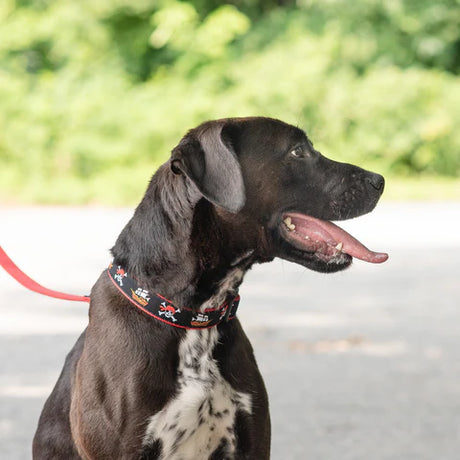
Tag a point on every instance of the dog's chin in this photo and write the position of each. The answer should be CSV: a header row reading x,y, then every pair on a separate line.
x,y
326,259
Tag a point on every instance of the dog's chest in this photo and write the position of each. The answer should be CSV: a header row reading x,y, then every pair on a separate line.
x,y
200,417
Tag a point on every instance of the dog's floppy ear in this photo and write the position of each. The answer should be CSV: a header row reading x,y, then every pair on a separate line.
x,y
212,165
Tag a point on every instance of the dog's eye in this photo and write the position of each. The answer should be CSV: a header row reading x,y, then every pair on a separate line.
x,y
298,152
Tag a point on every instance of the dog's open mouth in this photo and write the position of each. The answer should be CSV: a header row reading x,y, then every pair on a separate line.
x,y
325,240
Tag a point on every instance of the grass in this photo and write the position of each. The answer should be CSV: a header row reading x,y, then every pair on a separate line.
x,y
422,189
125,187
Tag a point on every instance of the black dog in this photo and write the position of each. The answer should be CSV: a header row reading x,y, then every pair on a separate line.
x,y
178,380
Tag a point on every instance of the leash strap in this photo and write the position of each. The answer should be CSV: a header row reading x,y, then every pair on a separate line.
x,y
163,310
151,303
29,283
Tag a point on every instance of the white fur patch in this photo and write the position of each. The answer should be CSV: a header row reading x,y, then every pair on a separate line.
x,y
232,279
201,416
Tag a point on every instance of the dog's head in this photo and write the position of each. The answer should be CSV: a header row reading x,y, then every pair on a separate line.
x,y
265,177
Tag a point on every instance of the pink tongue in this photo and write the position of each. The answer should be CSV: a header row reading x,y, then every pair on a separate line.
x,y
322,230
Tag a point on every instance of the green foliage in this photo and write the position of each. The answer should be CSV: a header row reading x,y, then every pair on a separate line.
x,y
94,95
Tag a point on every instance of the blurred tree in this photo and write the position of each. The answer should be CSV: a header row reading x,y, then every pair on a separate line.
x,y
102,90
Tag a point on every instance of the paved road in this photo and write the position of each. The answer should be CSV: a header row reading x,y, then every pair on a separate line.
x,y
363,364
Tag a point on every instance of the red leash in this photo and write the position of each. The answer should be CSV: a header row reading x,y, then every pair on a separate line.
x,y
29,283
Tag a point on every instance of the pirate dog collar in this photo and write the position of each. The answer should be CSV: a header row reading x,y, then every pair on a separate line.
x,y
163,310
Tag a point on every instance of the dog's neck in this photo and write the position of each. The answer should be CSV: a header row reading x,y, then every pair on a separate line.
x,y
176,245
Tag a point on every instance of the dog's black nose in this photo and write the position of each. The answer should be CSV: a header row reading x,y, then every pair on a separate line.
x,y
376,181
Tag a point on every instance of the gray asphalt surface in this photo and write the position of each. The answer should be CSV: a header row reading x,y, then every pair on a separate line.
x,y
359,365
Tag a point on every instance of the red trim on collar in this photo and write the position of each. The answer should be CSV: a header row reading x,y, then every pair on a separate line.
x,y
164,310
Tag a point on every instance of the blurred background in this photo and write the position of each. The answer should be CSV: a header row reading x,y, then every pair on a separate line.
x,y
95,94
363,364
